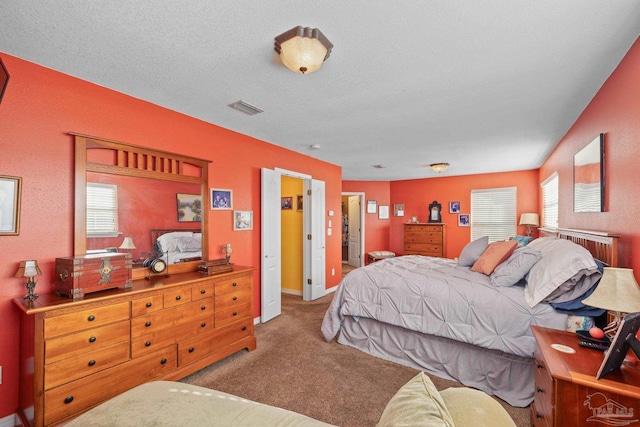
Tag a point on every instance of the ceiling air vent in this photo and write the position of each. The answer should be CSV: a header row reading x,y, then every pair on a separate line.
x,y
245,108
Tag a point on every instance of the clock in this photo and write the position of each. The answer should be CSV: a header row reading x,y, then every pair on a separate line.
x,y
434,212
157,266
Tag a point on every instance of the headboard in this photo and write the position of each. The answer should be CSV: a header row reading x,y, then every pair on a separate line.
x,y
602,245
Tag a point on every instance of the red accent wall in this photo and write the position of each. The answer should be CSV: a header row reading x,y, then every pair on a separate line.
x,y
40,107
614,111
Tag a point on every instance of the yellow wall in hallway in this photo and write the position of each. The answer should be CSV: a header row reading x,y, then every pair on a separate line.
x,y
292,228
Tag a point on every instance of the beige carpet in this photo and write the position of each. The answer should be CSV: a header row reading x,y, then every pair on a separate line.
x,y
296,369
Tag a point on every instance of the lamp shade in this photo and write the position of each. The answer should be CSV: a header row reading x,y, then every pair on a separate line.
x,y
226,249
617,291
303,49
127,243
28,269
532,219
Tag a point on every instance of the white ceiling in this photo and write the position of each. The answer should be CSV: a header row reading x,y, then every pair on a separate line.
x,y
487,86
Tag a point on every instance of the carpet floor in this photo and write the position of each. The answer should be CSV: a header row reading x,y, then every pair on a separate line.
x,y
294,368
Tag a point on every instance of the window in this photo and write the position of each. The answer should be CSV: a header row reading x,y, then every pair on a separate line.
x,y
550,202
494,213
102,209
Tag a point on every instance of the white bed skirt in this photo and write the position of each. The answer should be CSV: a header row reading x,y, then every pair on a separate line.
x,y
509,377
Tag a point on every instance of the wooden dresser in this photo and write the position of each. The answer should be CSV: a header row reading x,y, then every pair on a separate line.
x,y
77,354
567,392
427,239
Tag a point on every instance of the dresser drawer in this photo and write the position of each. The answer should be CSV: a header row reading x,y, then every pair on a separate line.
x,y
85,319
232,284
149,303
231,315
232,299
85,364
69,399
201,345
423,247
178,296
543,391
202,290
147,343
537,418
81,342
171,317
426,237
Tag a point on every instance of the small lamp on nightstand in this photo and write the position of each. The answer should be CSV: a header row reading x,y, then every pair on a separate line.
x,y
530,220
30,270
617,292
127,244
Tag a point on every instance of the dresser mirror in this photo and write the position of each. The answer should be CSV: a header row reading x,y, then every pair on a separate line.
x,y
148,183
588,177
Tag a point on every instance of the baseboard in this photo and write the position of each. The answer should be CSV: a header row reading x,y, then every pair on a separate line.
x,y
328,291
10,421
291,292
256,320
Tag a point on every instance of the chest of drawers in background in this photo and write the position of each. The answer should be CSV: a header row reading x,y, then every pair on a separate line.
x,y
77,354
425,239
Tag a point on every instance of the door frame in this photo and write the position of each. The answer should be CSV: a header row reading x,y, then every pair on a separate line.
x,y
361,196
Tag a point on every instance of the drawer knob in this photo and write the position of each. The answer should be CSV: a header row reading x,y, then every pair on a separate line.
x,y
244,328
203,291
68,399
92,362
539,390
149,304
538,365
147,344
91,318
203,307
235,298
538,415
178,298
235,284
92,339
203,324
147,324
191,349
163,361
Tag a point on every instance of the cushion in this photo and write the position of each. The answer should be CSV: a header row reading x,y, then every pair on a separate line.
x,y
515,267
417,403
168,241
565,271
522,240
494,255
188,244
381,254
472,251
470,407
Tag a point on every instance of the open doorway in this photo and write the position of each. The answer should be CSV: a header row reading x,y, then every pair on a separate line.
x,y
292,235
352,229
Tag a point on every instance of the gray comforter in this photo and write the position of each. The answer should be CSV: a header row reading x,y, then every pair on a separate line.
x,y
435,296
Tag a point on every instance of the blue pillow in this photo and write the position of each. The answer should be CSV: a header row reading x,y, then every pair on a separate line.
x,y
522,240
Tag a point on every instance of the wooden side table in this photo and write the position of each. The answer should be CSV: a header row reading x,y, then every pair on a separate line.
x,y
567,392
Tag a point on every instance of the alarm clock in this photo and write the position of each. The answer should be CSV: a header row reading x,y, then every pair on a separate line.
x,y
157,266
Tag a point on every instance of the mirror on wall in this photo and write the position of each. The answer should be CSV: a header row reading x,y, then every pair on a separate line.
x,y
588,177
152,188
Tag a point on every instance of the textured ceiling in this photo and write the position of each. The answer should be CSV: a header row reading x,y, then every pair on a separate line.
x,y
487,86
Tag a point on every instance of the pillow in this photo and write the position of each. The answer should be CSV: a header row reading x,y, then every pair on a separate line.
x,y
564,266
188,244
469,407
417,403
472,251
168,240
515,267
494,255
522,240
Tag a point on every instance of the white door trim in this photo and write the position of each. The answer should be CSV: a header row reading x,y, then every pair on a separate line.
x,y
362,222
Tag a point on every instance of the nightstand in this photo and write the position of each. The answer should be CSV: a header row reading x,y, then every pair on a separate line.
x,y
567,392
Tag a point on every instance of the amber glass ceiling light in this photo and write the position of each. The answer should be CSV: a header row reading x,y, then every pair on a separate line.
x,y
303,49
439,167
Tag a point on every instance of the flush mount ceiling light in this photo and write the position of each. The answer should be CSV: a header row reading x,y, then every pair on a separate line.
x,y
439,167
303,49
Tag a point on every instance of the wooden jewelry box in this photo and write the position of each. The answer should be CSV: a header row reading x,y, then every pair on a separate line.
x,y
80,275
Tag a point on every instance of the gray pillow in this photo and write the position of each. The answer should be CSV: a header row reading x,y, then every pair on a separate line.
x,y
515,267
472,251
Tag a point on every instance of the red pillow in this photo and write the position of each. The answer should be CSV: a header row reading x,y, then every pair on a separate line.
x,y
495,254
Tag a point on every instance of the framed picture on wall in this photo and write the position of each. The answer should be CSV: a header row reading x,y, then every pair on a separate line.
x,y
221,198
454,207
463,220
286,203
398,209
383,212
242,220
10,195
189,207
372,206
299,202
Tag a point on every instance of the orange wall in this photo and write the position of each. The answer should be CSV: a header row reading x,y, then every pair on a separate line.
x,y
614,111
40,106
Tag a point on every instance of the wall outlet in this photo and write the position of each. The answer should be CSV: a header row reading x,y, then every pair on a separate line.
x,y
333,271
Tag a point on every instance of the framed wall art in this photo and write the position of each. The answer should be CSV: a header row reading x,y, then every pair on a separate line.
x,y
588,177
299,202
189,207
372,206
435,214
398,209
454,207
242,220
286,203
383,212
221,198
463,220
10,196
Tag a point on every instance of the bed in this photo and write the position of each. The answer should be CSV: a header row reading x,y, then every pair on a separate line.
x,y
177,245
437,315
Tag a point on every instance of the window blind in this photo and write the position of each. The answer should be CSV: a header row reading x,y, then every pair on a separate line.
x,y
102,208
494,213
550,201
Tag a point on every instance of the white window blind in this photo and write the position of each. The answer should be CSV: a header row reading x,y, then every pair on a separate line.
x,y
494,213
102,209
550,202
